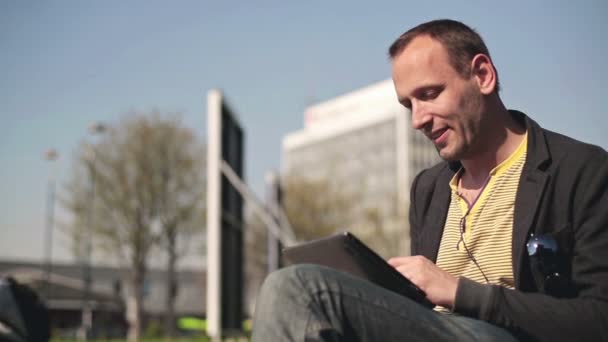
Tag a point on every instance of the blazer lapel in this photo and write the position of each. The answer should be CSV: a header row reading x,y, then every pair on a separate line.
x,y
532,184
439,208
526,205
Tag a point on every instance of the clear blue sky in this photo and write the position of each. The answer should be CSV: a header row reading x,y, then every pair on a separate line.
x,y
65,64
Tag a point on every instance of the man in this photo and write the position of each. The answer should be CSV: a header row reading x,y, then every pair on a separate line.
x,y
509,234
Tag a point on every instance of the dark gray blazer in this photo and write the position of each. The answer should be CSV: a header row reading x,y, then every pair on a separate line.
x,y
563,192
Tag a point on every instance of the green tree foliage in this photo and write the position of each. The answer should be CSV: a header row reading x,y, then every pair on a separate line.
x,y
139,187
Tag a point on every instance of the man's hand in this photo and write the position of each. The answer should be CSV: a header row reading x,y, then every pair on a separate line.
x,y
439,286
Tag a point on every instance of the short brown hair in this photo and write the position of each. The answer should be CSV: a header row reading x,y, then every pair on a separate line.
x,y
461,42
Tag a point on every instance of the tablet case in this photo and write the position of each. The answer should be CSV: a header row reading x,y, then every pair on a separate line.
x,y
345,252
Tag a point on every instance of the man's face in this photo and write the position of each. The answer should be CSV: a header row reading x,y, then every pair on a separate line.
x,y
446,107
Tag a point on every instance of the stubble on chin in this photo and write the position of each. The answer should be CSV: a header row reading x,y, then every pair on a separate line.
x,y
456,153
447,157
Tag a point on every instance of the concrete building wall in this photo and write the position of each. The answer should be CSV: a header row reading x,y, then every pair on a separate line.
x,y
363,140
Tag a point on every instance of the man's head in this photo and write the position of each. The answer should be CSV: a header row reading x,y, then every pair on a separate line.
x,y
443,73
461,42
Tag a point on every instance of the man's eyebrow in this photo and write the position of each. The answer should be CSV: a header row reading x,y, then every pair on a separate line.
x,y
419,90
426,87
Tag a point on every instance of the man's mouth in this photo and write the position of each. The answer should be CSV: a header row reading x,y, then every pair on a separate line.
x,y
438,136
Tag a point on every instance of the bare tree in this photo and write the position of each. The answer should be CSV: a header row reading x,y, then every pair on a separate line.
x,y
148,186
181,210
322,206
316,207
386,232
256,254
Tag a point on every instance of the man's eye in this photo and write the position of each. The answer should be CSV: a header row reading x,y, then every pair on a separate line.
x,y
430,94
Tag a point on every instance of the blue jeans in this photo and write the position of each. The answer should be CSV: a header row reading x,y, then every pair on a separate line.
x,y
315,303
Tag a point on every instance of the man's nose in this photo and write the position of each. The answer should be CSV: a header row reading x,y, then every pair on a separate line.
x,y
420,116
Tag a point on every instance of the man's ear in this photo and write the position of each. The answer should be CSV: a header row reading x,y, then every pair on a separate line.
x,y
484,73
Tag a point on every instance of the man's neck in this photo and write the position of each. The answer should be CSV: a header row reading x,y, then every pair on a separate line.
x,y
501,137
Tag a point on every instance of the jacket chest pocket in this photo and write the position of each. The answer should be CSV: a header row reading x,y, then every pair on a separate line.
x,y
550,256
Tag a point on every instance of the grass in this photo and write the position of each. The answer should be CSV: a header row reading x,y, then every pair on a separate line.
x,y
160,339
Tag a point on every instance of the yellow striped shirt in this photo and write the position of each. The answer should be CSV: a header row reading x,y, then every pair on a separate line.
x,y
488,226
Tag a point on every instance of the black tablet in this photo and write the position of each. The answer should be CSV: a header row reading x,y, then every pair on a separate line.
x,y
344,252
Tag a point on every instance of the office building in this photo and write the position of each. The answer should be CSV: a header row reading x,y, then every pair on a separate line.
x,y
364,142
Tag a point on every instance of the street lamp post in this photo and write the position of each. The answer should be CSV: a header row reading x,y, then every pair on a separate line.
x,y
50,155
87,310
